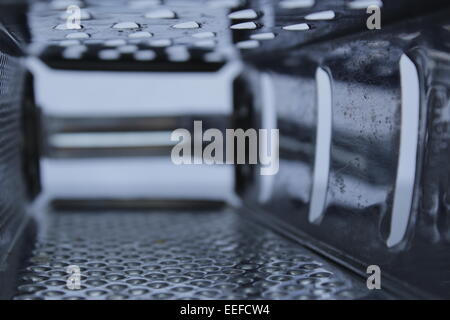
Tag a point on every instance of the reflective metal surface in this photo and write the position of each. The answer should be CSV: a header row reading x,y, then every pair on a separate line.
x,y
385,203
363,116
13,187
177,254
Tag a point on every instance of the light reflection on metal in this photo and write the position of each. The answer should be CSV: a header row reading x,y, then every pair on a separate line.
x,y
409,135
323,142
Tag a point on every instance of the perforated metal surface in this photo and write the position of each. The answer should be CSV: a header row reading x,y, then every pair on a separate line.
x,y
145,33
282,29
175,255
12,186
196,31
11,182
